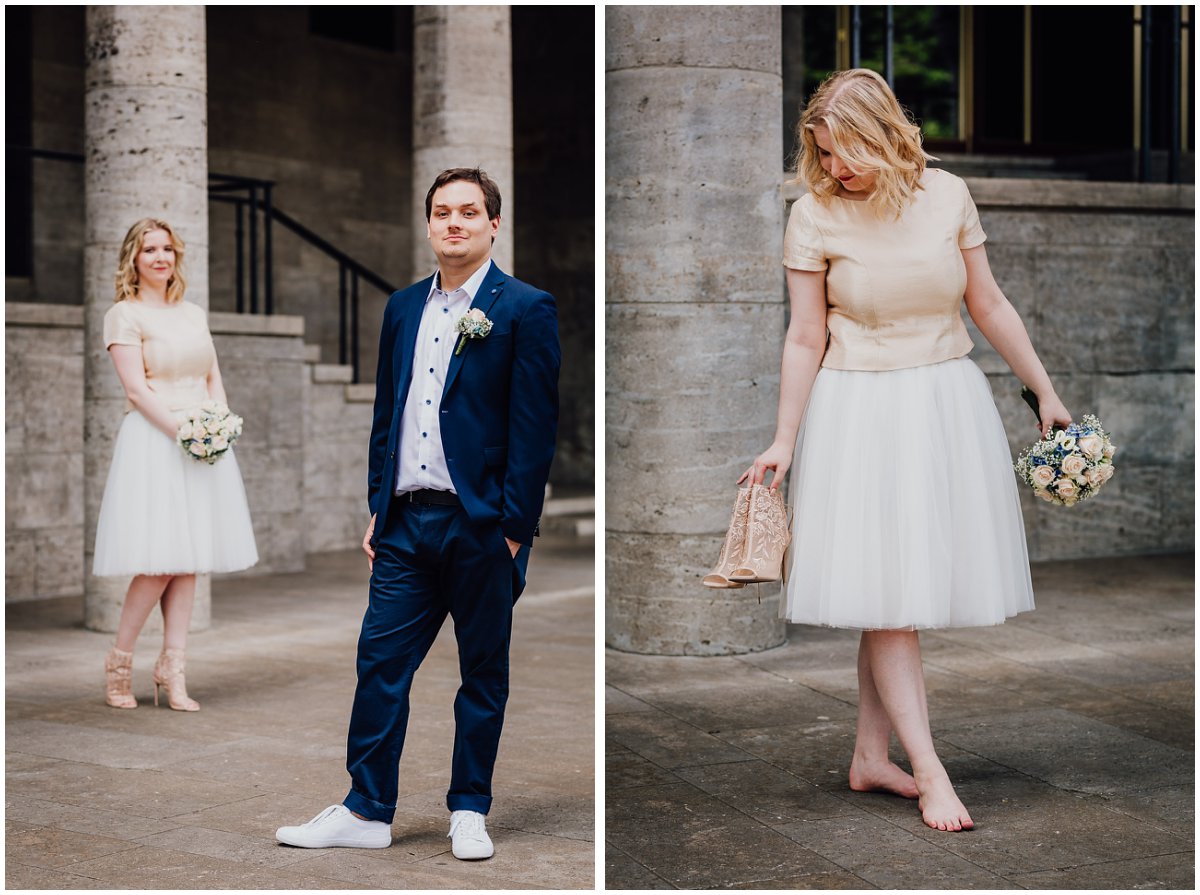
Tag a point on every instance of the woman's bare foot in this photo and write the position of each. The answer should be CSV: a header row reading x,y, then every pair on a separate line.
x,y
870,776
940,805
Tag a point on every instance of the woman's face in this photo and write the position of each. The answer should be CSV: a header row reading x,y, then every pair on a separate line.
x,y
155,261
851,181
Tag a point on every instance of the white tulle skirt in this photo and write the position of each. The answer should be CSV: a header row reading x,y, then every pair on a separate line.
x,y
166,514
905,504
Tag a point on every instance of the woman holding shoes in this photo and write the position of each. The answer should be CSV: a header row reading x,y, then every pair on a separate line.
x,y
164,517
905,507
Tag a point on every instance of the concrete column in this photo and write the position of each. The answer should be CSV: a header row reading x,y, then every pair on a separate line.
x,y
462,111
146,144
695,310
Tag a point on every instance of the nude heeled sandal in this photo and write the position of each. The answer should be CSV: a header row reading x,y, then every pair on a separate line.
x,y
168,673
118,679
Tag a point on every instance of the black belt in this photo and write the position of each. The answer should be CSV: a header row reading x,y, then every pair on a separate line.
x,y
428,497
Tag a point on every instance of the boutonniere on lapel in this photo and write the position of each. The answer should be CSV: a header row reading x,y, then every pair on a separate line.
x,y
473,325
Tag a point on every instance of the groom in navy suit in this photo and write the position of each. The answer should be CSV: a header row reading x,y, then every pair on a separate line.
x,y
466,409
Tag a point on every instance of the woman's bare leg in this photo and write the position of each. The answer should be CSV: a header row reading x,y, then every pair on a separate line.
x,y
177,611
871,769
144,592
895,661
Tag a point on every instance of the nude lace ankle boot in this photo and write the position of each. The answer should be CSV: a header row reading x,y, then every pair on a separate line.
x,y
168,673
118,679
767,537
734,546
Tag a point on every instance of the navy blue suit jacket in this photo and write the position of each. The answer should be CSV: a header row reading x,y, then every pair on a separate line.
x,y
499,407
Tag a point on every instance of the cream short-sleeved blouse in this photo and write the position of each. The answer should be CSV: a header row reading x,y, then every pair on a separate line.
x,y
177,349
893,288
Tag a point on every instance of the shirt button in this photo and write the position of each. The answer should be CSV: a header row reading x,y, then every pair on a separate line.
x,y
436,339
431,369
424,434
445,310
422,465
427,401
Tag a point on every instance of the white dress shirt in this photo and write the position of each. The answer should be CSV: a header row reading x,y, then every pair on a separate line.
x,y
422,460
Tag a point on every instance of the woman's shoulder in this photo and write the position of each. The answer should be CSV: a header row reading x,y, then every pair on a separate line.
x,y
193,310
121,311
939,181
122,325
806,209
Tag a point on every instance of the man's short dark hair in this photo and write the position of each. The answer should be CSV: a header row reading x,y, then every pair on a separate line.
x,y
491,192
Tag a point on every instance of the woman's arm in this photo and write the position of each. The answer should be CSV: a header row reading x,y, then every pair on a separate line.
x,y
132,373
1000,324
803,348
216,388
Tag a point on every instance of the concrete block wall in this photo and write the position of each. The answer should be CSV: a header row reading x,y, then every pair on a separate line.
x,y
337,422
1103,276
43,451
302,454
263,366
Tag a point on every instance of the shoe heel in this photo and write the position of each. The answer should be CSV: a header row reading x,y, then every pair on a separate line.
x,y
156,694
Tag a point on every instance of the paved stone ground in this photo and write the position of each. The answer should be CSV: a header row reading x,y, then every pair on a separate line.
x,y
1068,731
98,798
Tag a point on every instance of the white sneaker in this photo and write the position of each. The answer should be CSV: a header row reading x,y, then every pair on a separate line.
x,y
468,836
337,826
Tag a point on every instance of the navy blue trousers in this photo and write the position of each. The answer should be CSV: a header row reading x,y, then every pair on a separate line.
x,y
430,562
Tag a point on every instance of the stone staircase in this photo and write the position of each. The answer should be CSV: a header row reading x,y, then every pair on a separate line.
x,y
570,512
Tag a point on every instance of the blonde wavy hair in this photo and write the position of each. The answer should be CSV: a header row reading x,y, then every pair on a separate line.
x,y
127,277
870,131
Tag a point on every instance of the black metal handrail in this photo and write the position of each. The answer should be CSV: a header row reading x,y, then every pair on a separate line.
x,y
256,195
346,265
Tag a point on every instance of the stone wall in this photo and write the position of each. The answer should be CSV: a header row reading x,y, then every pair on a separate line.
x,y
337,421
330,121
302,456
1103,276
43,451
263,368
555,239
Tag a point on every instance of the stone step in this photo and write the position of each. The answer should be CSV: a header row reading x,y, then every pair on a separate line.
x,y
338,374
573,515
573,526
569,506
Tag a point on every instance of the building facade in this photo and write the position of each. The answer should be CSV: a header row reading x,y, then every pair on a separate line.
x,y
1083,179
292,148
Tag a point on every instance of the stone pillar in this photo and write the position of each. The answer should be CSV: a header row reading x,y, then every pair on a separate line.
x,y
146,146
462,111
694,314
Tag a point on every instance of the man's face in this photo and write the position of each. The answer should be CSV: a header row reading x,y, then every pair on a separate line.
x,y
458,227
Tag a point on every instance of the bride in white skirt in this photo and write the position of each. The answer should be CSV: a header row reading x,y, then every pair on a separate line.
x,y
164,516
905,505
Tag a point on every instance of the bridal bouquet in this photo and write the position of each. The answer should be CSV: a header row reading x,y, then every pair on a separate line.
x,y
1068,465
207,432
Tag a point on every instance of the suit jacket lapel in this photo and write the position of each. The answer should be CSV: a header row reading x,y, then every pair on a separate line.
x,y
407,344
486,296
